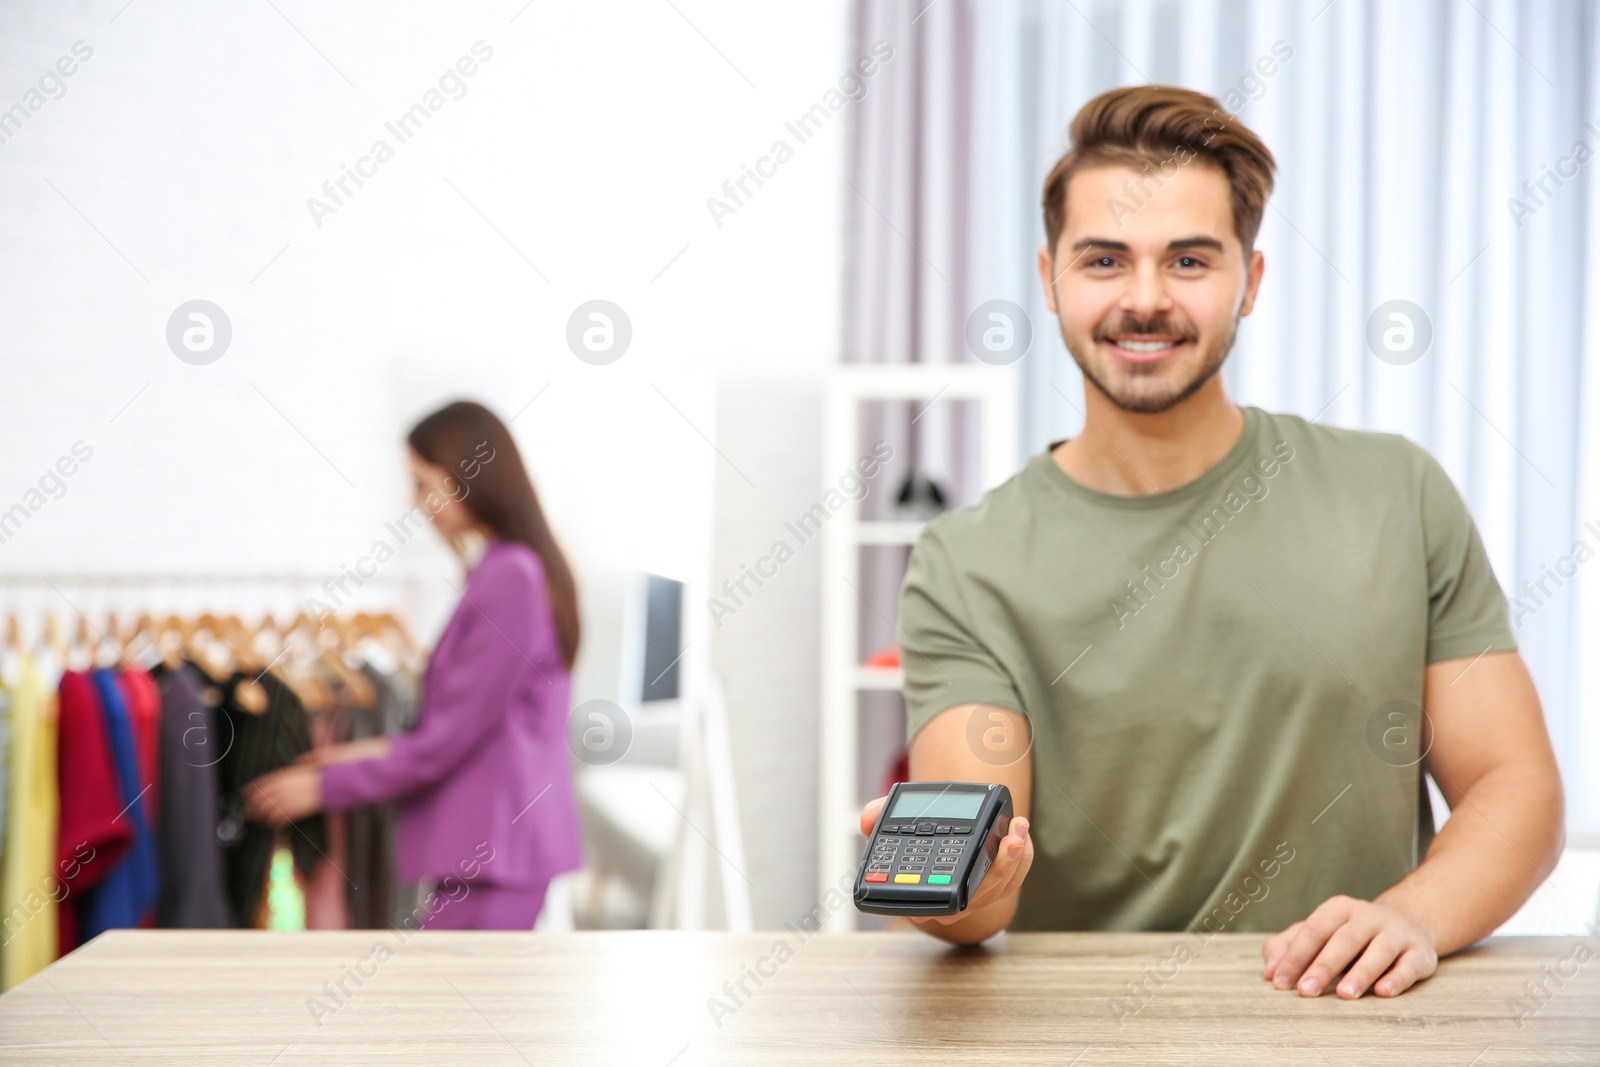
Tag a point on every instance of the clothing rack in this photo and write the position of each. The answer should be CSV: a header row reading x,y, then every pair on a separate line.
x,y
98,593
130,739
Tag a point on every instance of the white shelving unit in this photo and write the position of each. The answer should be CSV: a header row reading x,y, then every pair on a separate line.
x,y
844,677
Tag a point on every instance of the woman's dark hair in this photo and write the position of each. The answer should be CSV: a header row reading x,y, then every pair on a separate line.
x,y
470,442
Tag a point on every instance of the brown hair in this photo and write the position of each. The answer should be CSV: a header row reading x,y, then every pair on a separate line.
x,y
501,497
1145,126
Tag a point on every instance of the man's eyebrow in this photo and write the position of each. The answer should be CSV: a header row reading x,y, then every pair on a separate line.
x,y
1109,245
1099,242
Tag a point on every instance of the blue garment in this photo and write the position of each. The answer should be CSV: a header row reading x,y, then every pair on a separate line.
x,y
132,886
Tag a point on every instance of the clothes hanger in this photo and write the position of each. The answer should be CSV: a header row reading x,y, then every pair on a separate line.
x,y
106,641
206,649
78,648
332,643
284,665
50,638
143,626
407,650
162,634
293,660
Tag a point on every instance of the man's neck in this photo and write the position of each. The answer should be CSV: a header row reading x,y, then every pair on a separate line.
x,y
1129,454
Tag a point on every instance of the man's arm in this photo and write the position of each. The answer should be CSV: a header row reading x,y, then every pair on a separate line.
x,y
1492,760
942,752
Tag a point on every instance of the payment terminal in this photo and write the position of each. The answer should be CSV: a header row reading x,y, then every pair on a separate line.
x,y
932,846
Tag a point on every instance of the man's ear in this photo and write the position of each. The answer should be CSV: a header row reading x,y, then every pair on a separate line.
x,y
1252,281
1047,272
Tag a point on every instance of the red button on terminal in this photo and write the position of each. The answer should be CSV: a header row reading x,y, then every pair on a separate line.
x,y
878,876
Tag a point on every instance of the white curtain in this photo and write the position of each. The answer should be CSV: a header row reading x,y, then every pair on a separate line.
x,y
1428,152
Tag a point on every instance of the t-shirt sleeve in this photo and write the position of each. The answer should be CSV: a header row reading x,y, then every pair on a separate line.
x,y
1467,613
946,664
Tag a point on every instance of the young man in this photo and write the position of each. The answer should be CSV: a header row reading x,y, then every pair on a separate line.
x,y
1211,650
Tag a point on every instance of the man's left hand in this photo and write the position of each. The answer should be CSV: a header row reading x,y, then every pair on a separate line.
x,y
1377,943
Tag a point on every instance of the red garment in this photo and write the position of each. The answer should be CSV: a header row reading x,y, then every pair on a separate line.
x,y
95,832
144,714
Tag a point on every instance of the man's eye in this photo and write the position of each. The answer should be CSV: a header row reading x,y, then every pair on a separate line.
x,y
1189,261
1103,261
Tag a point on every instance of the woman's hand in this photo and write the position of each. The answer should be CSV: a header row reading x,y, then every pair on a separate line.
x,y
284,796
348,752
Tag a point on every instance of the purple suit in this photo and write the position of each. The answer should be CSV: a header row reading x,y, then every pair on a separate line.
x,y
488,759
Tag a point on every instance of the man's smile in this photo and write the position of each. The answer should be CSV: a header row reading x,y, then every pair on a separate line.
x,y
1136,348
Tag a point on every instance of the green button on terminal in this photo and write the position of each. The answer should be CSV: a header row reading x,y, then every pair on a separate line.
x,y
938,879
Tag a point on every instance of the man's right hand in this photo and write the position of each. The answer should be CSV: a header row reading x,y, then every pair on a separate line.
x,y
1000,886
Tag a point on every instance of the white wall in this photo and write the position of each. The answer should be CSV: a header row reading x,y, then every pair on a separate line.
x,y
178,164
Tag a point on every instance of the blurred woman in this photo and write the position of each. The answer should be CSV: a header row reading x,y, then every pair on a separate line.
x,y
483,783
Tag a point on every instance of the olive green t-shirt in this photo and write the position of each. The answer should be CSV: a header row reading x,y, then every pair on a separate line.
x,y
1223,681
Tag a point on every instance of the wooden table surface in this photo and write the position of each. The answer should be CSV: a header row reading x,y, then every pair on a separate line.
x,y
660,998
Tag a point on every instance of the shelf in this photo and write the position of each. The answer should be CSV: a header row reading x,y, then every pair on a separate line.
x,y
880,678
889,533
843,677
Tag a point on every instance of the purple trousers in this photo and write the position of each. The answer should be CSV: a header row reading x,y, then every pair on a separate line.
x,y
476,906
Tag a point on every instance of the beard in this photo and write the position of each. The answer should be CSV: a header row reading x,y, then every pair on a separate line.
x,y
1150,388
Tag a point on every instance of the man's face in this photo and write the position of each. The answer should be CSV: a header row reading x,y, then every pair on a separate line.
x,y
1149,282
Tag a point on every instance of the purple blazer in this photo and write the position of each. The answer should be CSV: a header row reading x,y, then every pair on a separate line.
x,y
487,760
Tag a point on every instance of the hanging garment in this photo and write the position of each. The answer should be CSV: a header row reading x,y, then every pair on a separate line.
x,y
121,900
190,748
373,886
143,701
5,763
329,888
30,885
94,833
404,683
270,731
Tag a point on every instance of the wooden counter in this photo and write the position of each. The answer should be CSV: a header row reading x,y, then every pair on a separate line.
x,y
653,999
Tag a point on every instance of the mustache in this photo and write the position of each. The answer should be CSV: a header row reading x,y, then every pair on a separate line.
x,y
1158,325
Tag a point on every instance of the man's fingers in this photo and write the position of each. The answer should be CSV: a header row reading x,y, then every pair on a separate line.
x,y
1274,947
1344,946
1381,951
1413,965
1011,864
869,815
1309,940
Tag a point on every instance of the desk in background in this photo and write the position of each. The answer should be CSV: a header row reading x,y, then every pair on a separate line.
x,y
653,999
